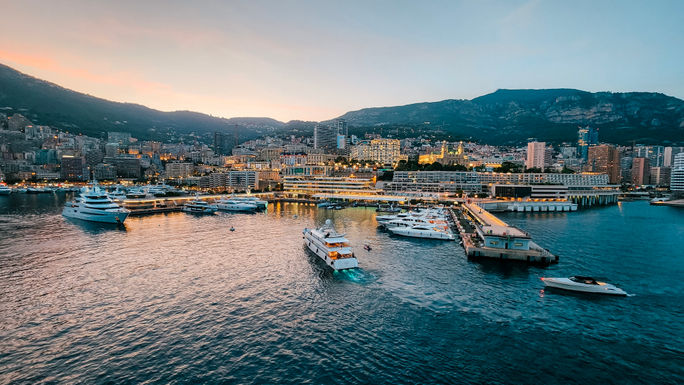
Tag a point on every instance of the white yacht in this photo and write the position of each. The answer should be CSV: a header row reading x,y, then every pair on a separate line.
x,y
428,231
93,204
232,204
5,190
332,247
118,194
259,203
583,284
136,192
198,206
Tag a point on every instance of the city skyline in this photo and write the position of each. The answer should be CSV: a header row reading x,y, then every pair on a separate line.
x,y
318,61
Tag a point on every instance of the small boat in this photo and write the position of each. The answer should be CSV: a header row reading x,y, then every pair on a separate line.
x,y
367,247
658,201
330,246
583,284
4,190
232,228
136,193
198,206
387,209
325,204
38,190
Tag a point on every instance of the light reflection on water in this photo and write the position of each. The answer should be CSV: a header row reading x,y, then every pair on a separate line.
x,y
176,297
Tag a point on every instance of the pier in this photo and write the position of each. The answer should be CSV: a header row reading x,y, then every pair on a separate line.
x,y
483,235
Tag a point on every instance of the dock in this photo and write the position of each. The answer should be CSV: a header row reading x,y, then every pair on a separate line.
x,y
483,235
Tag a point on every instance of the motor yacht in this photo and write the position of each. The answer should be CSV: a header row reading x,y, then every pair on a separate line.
x,y
583,284
136,192
118,194
93,204
330,246
427,231
38,190
5,190
198,206
232,204
259,203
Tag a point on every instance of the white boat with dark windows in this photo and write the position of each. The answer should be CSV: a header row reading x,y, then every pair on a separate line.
x,y
428,231
118,194
330,246
584,285
136,193
5,190
93,204
232,204
259,203
198,206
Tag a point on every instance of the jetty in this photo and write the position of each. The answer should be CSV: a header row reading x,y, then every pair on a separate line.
x,y
483,235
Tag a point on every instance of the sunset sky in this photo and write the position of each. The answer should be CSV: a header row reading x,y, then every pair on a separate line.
x,y
316,60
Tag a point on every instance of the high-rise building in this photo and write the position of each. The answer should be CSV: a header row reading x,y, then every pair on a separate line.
x,y
586,137
74,168
537,156
626,169
325,137
677,176
660,176
605,159
224,143
669,154
640,171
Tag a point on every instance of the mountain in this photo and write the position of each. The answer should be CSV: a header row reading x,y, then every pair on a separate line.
x,y
46,103
502,117
513,116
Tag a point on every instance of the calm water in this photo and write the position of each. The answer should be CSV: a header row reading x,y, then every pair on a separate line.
x,y
180,299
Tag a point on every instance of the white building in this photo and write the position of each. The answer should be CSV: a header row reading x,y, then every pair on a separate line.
x,y
677,176
537,156
385,151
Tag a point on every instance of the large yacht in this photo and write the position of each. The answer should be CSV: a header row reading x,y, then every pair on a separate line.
x,y
232,204
93,204
428,231
259,203
330,246
136,192
5,190
198,206
118,194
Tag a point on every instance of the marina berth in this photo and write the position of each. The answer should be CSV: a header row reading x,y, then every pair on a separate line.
x,y
93,204
330,246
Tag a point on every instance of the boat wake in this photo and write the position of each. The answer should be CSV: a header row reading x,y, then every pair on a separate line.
x,y
355,275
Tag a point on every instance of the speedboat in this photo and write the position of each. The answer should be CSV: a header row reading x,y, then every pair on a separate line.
x,y
427,231
232,204
325,204
583,284
330,246
5,190
659,200
198,206
93,204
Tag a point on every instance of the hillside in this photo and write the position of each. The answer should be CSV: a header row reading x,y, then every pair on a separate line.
x,y
513,116
49,104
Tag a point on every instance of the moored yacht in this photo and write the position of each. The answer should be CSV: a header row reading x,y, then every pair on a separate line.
x,y
259,203
583,284
424,230
136,192
198,206
232,204
118,194
5,190
93,204
330,246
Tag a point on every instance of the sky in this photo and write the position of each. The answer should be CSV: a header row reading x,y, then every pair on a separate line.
x,y
316,60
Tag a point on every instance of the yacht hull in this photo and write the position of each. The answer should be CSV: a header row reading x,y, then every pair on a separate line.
x,y
412,233
103,217
568,285
240,207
